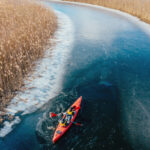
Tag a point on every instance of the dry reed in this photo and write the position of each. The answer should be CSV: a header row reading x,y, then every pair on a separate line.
x,y
139,8
25,29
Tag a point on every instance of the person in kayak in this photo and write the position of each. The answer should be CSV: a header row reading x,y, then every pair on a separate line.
x,y
65,121
69,114
71,110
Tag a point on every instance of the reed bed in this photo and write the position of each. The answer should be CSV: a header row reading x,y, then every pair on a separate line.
x,y
139,8
25,30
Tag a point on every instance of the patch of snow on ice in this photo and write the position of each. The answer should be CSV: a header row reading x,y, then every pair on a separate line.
x,y
8,126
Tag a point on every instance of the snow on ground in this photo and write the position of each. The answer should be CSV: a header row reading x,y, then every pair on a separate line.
x,y
46,80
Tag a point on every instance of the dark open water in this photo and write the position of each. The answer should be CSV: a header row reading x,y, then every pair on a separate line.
x,y
110,67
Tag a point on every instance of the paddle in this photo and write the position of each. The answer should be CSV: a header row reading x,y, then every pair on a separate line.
x,y
51,114
55,115
78,124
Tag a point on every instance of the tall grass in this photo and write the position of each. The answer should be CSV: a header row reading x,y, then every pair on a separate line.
x,y
139,8
25,29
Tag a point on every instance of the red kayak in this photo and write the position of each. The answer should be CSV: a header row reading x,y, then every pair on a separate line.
x,y
61,130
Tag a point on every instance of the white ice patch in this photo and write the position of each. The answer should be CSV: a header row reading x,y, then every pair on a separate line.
x,y
143,25
8,126
46,80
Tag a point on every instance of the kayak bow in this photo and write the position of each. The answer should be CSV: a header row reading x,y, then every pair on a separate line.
x,y
60,130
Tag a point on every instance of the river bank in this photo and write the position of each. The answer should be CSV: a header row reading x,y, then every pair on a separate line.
x,y
136,8
26,28
45,82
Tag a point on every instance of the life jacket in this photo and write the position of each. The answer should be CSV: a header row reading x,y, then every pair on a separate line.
x,y
69,112
63,124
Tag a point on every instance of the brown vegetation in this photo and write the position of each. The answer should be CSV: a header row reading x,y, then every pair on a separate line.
x,y
25,29
139,8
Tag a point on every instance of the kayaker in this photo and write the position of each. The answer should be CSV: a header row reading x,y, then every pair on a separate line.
x,y
63,122
67,116
71,110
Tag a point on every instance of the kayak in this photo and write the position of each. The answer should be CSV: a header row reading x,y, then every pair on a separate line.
x,y
61,130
